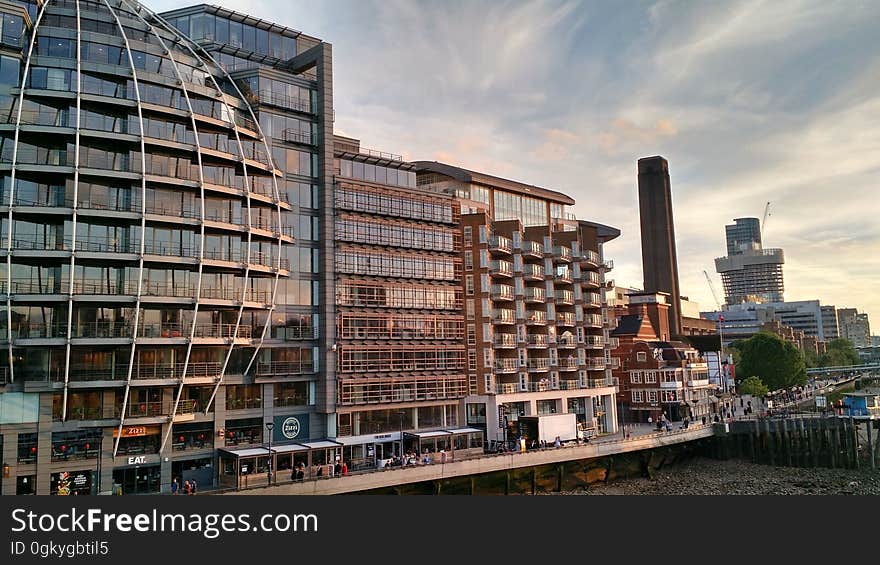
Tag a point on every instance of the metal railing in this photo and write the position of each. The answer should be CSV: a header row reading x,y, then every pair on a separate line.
x,y
280,368
533,271
502,292
501,268
537,340
500,243
504,340
533,294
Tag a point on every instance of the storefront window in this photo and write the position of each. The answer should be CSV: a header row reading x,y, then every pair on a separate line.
x,y
27,448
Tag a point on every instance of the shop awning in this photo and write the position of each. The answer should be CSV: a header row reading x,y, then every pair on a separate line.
x,y
247,452
289,448
425,435
463,430
322,444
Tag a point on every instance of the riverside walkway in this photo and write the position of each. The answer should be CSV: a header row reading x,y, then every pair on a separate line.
x,y
639,439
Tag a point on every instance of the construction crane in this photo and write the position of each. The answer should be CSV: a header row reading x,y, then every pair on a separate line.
x,y
712,288
764,221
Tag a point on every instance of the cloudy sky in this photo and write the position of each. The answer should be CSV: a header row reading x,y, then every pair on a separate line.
x,y
750,102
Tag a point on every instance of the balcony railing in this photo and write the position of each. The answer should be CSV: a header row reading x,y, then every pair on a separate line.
x,y
594,341
506,388
613,343
540,364
590,277
566,341
593,320
503,316
563,274
504,340
282,368
565,296
533,271
564,319
532,248
533,294
500,243
502,292
592,299
536,317
501,268
671,384
595,363
563,253
591,257
506,365
569,364
537,340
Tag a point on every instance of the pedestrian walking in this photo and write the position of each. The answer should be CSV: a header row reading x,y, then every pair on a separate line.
x,y
174,486
187,487
194,486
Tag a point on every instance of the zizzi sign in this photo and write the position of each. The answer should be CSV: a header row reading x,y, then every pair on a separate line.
x,y
291,427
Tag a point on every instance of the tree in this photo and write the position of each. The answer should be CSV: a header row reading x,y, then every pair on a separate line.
x,y
777,362
839,353
811,358
753,386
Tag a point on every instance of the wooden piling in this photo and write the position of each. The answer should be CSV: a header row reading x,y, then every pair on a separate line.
x,y
871,453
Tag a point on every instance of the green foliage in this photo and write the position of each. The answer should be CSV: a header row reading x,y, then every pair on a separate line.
x,y
811,358
753,386
777,362
839,353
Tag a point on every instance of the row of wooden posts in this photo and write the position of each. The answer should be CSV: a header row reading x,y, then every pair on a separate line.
x,y
802,442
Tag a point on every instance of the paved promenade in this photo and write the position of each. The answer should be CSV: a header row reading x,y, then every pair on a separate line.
x,y
389,477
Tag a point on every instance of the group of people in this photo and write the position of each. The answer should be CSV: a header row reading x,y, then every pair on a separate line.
x,y
339,469
189,486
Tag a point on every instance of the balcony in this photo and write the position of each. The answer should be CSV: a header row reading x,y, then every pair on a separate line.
x,y
592,299
533,294
533,272
671,385
595,341
613,342
590,278
537,341
563,274
533,249
698,383
608,264
284,368
503,316
591,257
595,363
501,268
564,297
506,366
502,292
564,319
561,253
610,322
593,320
570,364
505,341
566,342
500,244
539,365
506,388
613,362
536,318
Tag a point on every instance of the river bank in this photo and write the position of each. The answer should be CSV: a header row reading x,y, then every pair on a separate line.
x,y
708,476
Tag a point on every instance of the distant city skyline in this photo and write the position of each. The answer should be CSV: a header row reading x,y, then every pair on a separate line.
x,y
748,101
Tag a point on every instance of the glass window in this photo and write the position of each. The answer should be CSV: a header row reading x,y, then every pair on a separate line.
x,y
249,38
221,30
262,41
235,33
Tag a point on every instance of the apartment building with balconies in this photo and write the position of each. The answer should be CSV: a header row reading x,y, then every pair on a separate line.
x,y
535,324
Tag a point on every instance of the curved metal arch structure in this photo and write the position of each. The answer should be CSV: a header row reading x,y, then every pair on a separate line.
x,y
195,74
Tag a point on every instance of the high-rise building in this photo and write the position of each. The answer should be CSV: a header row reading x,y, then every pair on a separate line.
x,y
830,325
854,326
659,260
743,234
533,283
748,272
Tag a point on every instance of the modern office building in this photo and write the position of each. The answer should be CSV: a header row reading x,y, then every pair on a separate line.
x,y
830,323
748,272
533,282
151,277
659,259
742,235
854,326
400,324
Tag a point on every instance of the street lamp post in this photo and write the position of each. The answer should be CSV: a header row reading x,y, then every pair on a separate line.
x,y
401,413
269,427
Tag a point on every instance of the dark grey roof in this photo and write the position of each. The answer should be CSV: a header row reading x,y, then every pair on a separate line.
x,y
627,325
605,233
465,175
